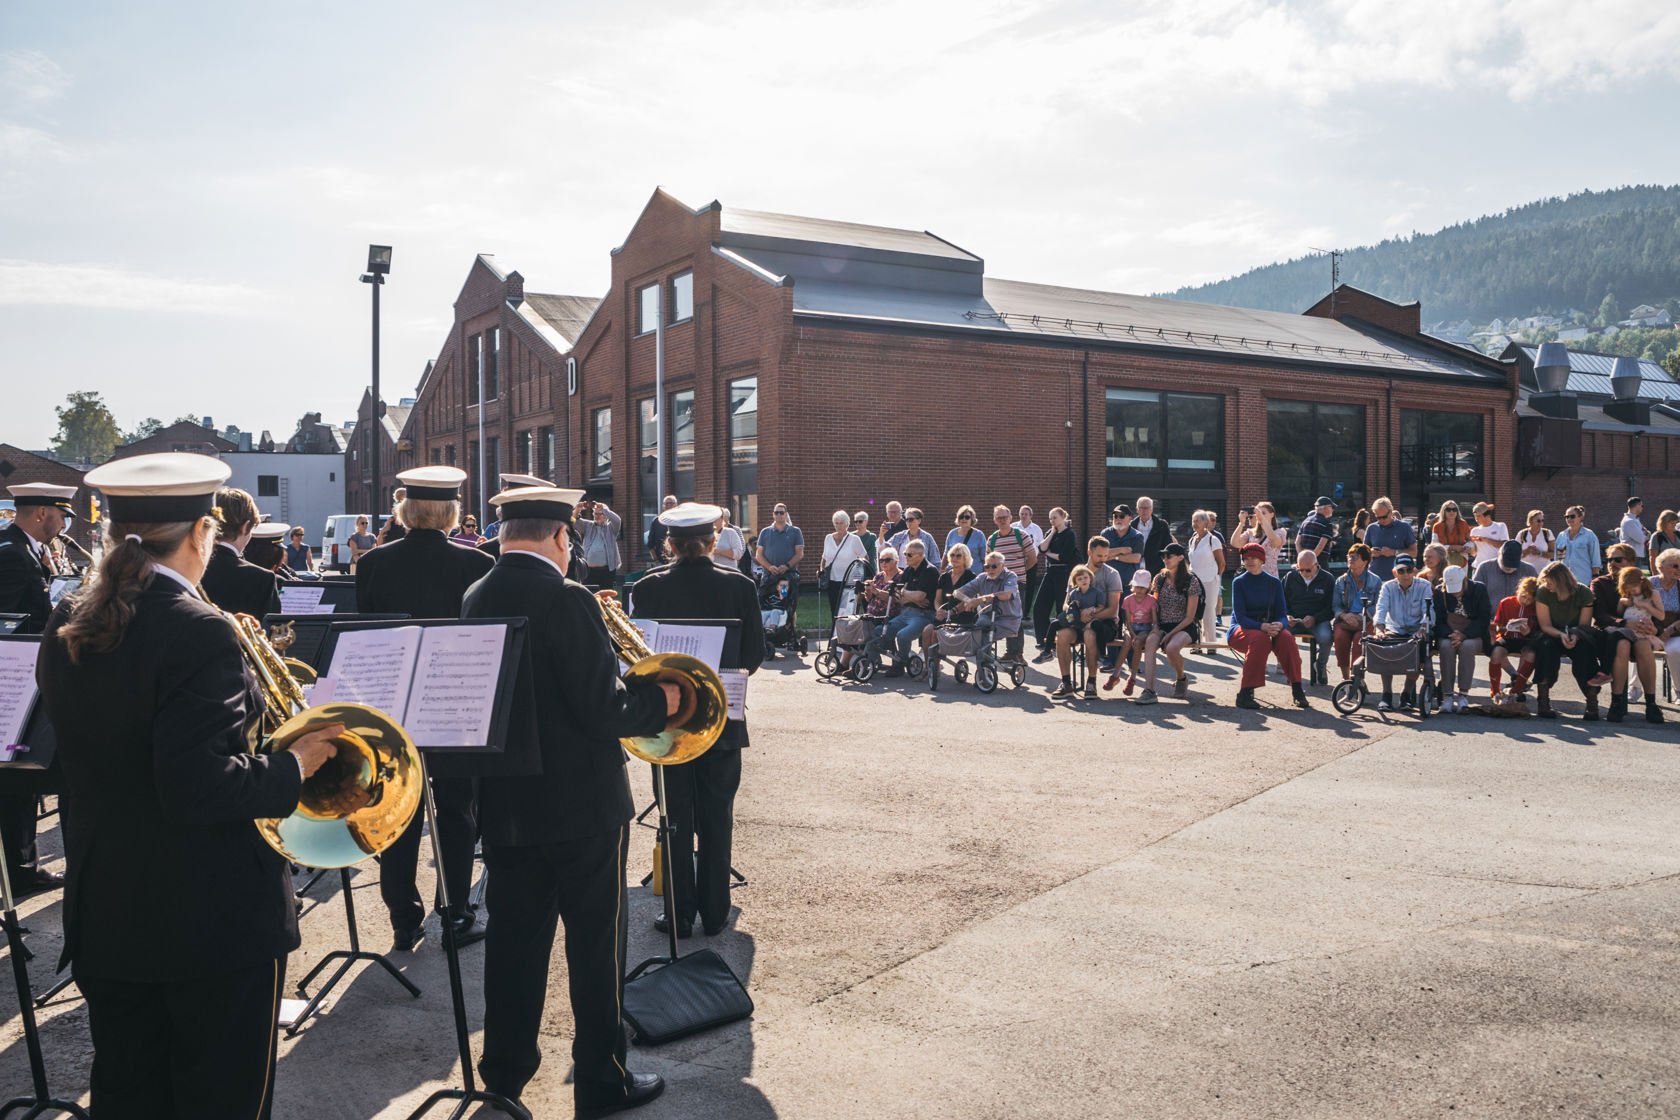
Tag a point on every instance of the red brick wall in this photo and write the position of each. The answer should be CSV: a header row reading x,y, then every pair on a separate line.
x,y
1355,304
1614,467
26,466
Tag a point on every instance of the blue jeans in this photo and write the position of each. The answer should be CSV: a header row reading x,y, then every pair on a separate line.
x,y
1322,632
904,629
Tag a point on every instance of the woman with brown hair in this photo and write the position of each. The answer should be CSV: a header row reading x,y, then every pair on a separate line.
x,y
1452,532
230,582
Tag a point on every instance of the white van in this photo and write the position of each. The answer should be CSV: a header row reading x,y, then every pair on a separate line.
x,y
335,541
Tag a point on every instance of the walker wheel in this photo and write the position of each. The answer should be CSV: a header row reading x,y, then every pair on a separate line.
x,y
933,675
915,666
986,678
863,667
827,664
962,672
1018,674
1348,697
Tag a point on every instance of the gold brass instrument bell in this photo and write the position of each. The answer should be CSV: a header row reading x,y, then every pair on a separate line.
x,y
694,727
362,798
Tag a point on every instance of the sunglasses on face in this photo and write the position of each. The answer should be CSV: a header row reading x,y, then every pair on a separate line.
x,y
994,567
965,517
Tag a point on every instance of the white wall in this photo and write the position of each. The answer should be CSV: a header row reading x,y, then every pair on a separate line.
x,y
311,487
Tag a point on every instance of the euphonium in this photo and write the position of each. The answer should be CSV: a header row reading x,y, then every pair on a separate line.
x,y
362,798
694,726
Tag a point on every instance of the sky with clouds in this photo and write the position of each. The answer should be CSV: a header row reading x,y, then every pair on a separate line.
x,y
187,190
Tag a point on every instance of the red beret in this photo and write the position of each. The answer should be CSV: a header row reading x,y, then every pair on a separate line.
x,y
1253,550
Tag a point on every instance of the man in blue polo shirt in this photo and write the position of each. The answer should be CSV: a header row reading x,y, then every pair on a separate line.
x,y
1388,537
1317,530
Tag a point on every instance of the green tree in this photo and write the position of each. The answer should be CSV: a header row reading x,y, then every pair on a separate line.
x,y
1672,365
1609,311
150,426
86,429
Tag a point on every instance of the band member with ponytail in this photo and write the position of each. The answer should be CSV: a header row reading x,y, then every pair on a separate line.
x,y
231,583
152,704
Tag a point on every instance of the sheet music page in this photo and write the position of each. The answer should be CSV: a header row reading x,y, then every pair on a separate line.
x,y
17,692
454,692
650,634
704,642
303,600
735,691
62,586
376,667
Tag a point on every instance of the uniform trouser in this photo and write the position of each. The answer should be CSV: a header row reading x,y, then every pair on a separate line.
x,y
457,821
1464,656
17,829
195,1049
1257,645
700,800
1047,602
579,882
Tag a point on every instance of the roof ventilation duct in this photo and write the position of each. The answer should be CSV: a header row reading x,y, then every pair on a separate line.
x,y
1625,379
1551,373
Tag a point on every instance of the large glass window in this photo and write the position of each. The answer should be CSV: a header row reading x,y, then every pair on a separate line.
x,y
743,453
1170,446
545,453
601,459
1440,456
682,297
1312,450
647,309
681,449
647,466
492,363
522,445
475,366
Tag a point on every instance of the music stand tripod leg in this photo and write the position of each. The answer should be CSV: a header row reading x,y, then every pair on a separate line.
x,y
42,1101
664,840
46,997
468,1094
348,957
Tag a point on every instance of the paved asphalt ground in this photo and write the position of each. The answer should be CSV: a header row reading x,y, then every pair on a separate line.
x,y
1004,906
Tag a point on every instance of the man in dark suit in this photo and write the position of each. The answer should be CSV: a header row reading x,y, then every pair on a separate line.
x,y
556,842
232,583
700,795
1156,534
26,573
424,575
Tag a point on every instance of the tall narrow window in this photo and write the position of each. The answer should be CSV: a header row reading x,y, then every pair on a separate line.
x,y
475,366
682,445
545,453
682,297
493,458
601,460
743,452
492,363
647,470
522,444
647,309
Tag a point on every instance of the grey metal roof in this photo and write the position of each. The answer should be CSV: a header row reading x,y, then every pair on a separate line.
x,y
1009,307
791,227
565,315
1590,373
1595,419
396,415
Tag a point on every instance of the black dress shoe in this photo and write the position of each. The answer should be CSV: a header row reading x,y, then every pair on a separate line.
x,y
27,881
714,930
639,1090
466,929
685,928
404,940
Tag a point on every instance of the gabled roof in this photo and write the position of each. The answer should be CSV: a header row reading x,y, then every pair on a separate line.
x,y
740,226
789,246
558,319
396,415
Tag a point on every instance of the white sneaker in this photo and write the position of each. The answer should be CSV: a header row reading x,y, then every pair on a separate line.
x,y
1463,702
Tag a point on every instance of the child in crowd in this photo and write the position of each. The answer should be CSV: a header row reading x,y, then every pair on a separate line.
x,y
1138,611
1515,626
1081,596
1639,603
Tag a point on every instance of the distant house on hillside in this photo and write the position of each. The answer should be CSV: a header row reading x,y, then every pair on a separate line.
x,y
1647,316
1573,334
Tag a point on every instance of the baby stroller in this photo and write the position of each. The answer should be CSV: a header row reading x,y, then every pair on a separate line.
x,y
1395,657
778,600
958,641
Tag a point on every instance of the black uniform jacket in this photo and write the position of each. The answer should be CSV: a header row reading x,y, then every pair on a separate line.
x,y
569,701
239,587
578,570
23,580
168,878
700,589
423,575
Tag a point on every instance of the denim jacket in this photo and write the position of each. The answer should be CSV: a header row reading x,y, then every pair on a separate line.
x,y
1349,598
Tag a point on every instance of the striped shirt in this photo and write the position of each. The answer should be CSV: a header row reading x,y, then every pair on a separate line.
x,y
1014,555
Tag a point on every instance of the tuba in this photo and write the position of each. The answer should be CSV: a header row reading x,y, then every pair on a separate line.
x,y
693,727
362,798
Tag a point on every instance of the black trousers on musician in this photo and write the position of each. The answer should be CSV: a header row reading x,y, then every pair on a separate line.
x,y
456,801
198,1049
17,829
531,888
700,802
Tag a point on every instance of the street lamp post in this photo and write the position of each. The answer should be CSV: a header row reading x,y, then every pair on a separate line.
x,y
378,266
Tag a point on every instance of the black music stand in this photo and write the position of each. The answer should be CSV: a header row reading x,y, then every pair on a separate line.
x,y
736,878
42,1101
349,957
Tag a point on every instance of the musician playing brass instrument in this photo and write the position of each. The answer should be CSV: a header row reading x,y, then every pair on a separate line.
x,y
151,700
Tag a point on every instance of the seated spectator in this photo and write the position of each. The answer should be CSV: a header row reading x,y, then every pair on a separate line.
x,y
946,607
1082,595
999,591
1502,574
841,549
1317,531
1137,623
1354,603
913,531
1308,592
1095,627
1259,630
1462,618
1667,588
1486,535
880,595
1178,595
1389,537
1563,610
1403,610
1642,610
1514,628
1618,638
920,582
1539,544
967,534
1452,533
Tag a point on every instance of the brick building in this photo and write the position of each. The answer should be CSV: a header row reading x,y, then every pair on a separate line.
x,y
183,435
18,466
514,344
833,365
360,493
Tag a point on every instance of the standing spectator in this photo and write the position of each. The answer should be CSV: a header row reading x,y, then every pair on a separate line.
x,y
1035,574
841,549
1355,605
1504,572
1258,629
361,541
1094,626
1265,533
1178,608
1462,618
1361,522
913,531
1403,610
1514,627
1020,554
1666,537
1453,533
1487,535
1061,554
1563,608
298,556
1317,530
1156,534
1539,544
894,524
1633,530
780,545
1389,538
1426,534
1307,594
1206,555
999,590
1125,544
657,532
1578,547
600,527
966,533
860,526
730,546
468,533
394,529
